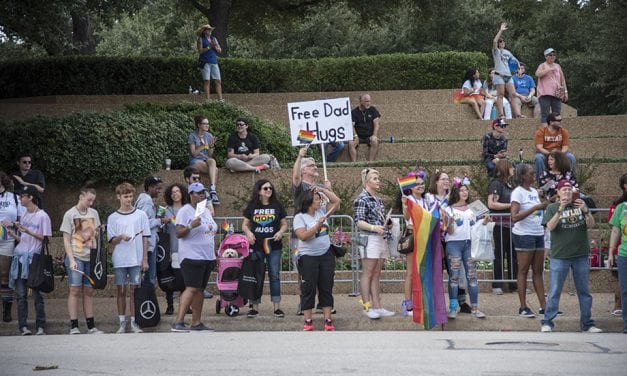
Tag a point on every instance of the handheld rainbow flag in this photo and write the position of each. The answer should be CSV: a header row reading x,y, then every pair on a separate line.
x,y
93,283
227,227
427,287
407,182
306,137
266,246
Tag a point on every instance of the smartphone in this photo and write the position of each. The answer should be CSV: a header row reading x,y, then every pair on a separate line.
x,y
575,196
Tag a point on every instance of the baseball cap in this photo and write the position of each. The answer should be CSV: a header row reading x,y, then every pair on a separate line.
x,y
196,187
499,123
548,51
563,183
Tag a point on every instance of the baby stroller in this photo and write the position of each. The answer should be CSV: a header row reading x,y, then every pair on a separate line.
x,y
232,250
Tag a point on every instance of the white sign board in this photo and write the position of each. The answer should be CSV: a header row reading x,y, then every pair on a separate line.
x,y
325,121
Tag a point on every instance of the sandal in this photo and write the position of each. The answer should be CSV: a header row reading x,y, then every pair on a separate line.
x,y
617,312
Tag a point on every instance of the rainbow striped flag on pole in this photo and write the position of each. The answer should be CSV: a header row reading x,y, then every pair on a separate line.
x,y
427,276
306,137
407,182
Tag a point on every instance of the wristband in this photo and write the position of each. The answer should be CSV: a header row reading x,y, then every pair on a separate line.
x,y
189,227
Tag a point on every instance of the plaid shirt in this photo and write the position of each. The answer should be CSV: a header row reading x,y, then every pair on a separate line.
x,y
369,208
491,146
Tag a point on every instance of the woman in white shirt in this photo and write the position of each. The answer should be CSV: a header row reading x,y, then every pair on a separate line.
x,y
471,92
528,236
458,249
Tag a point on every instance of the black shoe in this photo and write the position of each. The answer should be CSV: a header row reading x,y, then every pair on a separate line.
x,y
6,311
541,311
299,312
169,311
213,196
333,311
465,308
252,313
189,310
279,313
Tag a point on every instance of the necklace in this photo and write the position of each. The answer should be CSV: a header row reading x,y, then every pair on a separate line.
x,y
80,212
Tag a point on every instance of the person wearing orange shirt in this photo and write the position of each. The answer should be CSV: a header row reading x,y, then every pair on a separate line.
x,y
553,137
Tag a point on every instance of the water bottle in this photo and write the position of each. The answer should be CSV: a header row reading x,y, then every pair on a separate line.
x,y
493,113
520,154
190,90
392,140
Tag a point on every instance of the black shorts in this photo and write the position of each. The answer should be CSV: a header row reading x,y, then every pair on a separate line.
x,y
364,141
196,272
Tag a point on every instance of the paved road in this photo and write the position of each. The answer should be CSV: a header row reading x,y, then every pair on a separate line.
x,y
338,353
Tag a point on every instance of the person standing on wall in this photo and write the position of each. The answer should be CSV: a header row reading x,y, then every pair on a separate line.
x,y
208,49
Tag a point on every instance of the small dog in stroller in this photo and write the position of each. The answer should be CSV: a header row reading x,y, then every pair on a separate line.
x,y
231,253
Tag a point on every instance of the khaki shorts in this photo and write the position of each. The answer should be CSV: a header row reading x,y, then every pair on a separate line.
x,y
377,248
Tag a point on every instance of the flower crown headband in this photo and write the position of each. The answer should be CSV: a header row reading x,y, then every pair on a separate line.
x,y
458,182
422,174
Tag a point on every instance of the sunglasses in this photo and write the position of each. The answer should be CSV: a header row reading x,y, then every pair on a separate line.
x,y
551,54
241,124
195,178
205,123
267,188
27,162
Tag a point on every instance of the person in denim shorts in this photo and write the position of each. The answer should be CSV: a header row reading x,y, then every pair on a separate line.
x,y
528,236
128,232
80,231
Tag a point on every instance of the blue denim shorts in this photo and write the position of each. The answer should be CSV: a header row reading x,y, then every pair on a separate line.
x,y
130,275
501,80
76,279
211,72
528,243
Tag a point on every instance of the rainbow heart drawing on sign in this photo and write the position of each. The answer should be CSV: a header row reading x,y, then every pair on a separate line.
x,y
306,137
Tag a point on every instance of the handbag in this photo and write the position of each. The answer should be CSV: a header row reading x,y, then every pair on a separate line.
x,y
147,313
98,265
338,251
40,272
250,283
406,244
482,242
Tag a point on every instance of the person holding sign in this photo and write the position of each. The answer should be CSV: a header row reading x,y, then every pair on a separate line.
x,y
366,124
243,151
195,229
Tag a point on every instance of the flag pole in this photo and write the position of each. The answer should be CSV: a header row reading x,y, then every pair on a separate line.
x,y
324,161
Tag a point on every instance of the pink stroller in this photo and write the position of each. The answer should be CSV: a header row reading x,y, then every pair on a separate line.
x,y
233,249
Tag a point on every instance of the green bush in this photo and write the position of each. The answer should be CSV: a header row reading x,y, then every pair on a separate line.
x,y
114,75
129,143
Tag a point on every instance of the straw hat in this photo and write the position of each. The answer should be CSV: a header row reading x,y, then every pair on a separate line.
x,y
203,28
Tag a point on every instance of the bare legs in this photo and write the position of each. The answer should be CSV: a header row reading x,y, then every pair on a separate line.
x,y
369,282
535,260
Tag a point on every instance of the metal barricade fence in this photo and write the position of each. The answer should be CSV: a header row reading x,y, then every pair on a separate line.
x,y
503,267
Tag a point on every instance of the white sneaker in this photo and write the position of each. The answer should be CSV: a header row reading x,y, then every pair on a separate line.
x,y
40,332
497,291
594,329
451,314
135,328
25,332
478,314
383,312
372,314
122,328
75,331
546,329
94,330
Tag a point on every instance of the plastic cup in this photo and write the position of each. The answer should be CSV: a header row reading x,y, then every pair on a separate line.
x,y
168,163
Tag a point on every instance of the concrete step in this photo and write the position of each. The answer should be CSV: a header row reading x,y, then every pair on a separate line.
x,y
578,127
467,150
501,311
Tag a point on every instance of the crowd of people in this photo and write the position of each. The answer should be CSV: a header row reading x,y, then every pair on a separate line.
x,y
529,221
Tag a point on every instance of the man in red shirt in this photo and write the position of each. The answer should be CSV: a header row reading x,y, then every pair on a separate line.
x,y
552,137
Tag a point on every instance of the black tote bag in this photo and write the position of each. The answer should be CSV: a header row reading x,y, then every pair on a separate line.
x,y
147,313
250,285
40,271
98,264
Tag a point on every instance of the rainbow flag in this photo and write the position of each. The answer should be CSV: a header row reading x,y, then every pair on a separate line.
x,y
427,286
4,233
227,227
407,182
306,137
266,245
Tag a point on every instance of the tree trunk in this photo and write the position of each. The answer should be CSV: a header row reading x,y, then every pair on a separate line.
x,y
82,34
219,18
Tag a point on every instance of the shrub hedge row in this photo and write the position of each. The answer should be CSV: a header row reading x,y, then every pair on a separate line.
x,y
127,144
94,75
